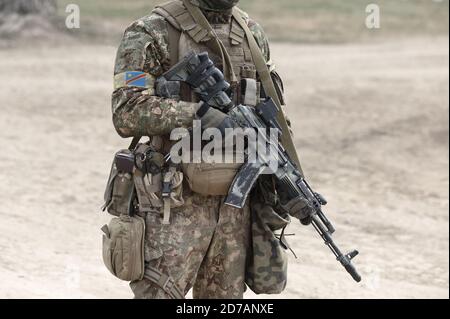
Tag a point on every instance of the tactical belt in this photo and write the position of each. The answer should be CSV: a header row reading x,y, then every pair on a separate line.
x,y
163,281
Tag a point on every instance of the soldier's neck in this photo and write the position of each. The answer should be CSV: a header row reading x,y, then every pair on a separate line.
x,y
215,17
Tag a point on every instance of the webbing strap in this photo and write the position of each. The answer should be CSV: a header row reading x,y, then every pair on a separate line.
x,y
174,40
167,180
134,142
269,87
163,281
201,20
237,35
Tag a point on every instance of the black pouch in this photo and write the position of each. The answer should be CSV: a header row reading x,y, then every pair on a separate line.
x,y
120,191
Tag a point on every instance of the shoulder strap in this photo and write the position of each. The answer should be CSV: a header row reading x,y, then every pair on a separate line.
x,y
174,40
237,35
214,41
169,11
188,18
269,87
134,142
178,15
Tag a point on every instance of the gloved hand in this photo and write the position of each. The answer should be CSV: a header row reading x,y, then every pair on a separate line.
x,y
212,117
299,208
209,83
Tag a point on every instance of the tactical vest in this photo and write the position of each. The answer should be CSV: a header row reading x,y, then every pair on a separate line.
x,y
233,49
186,35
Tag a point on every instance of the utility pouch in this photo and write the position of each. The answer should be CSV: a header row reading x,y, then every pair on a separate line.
x,y
149,178
210,179
266,270
123,247
250,92
119,193
148,187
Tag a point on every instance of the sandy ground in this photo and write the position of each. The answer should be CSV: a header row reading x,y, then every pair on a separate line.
x,y
371,125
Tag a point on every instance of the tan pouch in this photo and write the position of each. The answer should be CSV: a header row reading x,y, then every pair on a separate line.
x,y
123,247
210,179
149,187
149,177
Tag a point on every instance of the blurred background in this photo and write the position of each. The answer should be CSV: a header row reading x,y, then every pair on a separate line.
x,y
369,105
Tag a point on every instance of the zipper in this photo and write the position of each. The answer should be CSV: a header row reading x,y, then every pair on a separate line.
x,y
132,244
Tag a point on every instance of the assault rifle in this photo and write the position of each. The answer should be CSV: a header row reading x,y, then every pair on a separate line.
x,y
289,180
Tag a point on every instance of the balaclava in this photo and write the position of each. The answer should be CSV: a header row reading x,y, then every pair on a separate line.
x,y
216,11
216,5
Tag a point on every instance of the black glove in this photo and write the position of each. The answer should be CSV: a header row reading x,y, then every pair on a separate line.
x,y
209,83
212,117
299,208
302,209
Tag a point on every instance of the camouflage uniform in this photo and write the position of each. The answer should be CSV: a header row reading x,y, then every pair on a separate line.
x,y
206,244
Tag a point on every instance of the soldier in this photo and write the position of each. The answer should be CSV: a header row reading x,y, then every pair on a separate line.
x,y
207,245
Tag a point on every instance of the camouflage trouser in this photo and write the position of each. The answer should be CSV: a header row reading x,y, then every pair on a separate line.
x,y
204,247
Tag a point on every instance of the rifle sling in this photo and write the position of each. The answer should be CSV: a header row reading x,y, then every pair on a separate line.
x,y
269,87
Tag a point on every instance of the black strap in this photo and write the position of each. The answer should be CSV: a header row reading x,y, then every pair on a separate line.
x,y
202,110
134,142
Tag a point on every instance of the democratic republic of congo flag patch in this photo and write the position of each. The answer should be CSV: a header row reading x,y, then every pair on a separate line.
x,y
134,79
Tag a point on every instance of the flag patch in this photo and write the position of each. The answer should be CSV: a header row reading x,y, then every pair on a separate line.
x,y
134,79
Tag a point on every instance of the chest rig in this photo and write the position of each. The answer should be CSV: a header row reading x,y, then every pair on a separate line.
x,y
233,56
233,47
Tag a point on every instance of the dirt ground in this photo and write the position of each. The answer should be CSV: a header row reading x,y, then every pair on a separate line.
x,y
371,125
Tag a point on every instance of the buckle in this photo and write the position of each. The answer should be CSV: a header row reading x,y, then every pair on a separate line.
x,y
168,282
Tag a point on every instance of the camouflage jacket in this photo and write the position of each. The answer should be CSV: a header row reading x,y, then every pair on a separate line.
x,y
144,47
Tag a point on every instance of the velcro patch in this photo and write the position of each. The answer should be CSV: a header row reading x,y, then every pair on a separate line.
x,y
134,79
